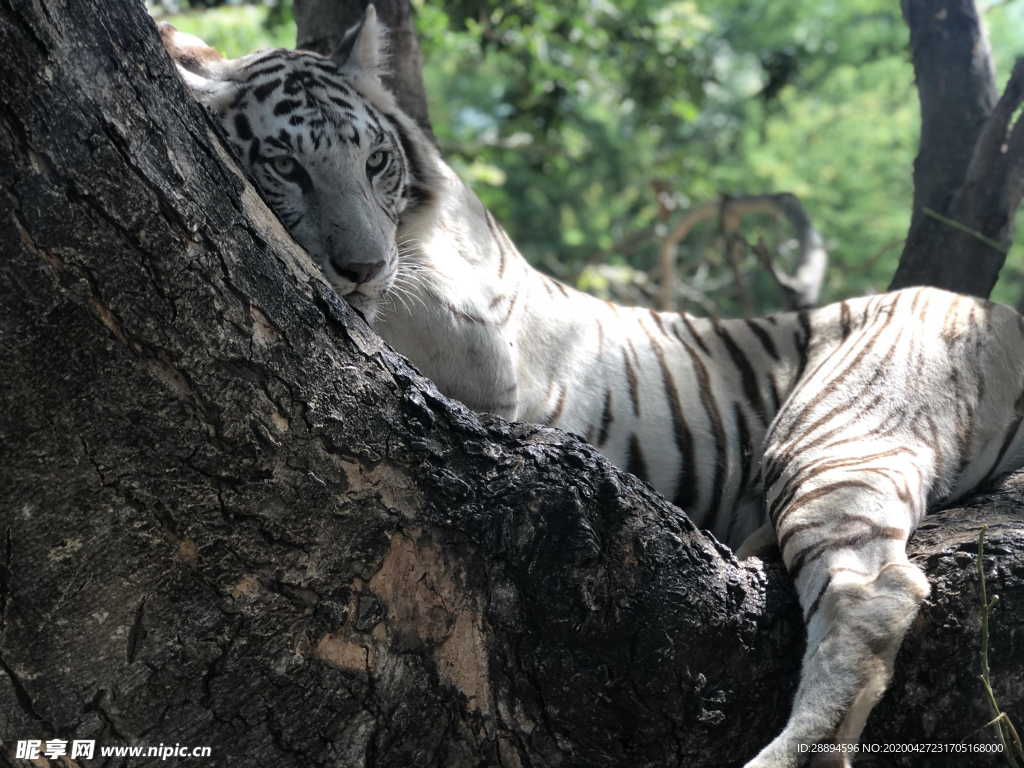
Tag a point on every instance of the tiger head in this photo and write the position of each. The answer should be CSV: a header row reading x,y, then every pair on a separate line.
x,y
338,161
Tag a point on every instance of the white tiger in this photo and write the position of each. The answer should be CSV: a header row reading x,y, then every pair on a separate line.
x,y
843,425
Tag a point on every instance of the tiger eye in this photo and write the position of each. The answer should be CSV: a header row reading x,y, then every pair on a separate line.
x,y
284,165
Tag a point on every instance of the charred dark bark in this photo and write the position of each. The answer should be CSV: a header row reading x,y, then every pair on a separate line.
x,y
969,172
322,25
230,516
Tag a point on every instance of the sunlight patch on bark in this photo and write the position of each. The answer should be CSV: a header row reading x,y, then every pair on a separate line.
x,y
426,607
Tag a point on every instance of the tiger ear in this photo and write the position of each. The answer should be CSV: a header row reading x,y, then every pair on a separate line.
x,y
203,68
364,49
189,52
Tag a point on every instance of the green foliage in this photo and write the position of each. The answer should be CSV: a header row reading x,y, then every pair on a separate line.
x,y
234,29
585,107
588,126
1005,21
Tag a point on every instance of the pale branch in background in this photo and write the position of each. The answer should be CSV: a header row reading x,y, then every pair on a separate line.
x,y
798,291
669,249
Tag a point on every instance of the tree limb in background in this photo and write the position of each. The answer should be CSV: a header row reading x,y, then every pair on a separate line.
x,y
956,85
799,291
968,172
669,249
322,25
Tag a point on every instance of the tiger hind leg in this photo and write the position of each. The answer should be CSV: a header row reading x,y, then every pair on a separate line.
x,y
852,643
859,593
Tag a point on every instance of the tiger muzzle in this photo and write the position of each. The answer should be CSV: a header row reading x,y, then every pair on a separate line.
x,y
358,273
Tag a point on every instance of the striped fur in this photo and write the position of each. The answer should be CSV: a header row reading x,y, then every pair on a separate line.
x,y
844,424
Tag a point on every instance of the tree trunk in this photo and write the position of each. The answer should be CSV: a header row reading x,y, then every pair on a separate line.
x,y
969,171
322,25
231,516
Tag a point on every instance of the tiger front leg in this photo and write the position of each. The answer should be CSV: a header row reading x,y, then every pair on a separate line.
x,y
844,541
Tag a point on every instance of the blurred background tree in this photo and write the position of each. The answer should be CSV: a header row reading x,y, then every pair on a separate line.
x,y
590,129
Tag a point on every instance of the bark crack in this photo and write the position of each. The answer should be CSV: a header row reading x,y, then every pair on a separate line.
x,y
22,695
137,635
6,593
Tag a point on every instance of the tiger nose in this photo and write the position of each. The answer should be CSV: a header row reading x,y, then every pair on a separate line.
x,y
358,273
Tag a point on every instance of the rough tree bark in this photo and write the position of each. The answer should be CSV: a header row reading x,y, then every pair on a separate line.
x,y
322,25
230,516
969,171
